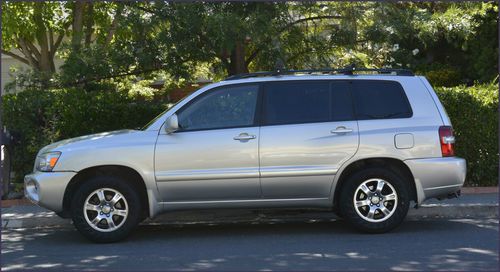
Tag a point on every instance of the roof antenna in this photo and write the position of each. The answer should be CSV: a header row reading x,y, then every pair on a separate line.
x,y
349,69
279,67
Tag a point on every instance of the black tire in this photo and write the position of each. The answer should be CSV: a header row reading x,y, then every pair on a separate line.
x,y
348,209
338,213
131,197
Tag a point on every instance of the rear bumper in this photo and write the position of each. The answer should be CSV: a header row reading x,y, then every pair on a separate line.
x,y
437,177
46,189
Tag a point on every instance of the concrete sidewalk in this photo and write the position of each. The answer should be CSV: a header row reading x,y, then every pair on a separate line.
x,y
467,206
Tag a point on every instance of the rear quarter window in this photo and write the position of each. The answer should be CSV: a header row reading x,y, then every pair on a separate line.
x,y
378,99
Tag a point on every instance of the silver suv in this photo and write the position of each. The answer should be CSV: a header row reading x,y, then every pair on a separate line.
x,y
363,145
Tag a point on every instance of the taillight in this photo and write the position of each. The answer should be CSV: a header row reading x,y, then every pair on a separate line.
x,y
447,141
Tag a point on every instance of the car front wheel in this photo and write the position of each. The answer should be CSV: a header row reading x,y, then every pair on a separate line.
x,y
105,209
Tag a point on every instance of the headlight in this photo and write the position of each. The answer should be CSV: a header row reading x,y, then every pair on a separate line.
x,y
47,161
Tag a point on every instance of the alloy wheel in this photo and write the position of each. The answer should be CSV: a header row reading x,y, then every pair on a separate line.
x,y
375,200
105,210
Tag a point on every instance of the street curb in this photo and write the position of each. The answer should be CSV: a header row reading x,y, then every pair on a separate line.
x,y
455,211
16,202
429,211
479,190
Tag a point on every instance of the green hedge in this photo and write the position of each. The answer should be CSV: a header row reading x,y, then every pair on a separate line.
x,y
474,114
41,117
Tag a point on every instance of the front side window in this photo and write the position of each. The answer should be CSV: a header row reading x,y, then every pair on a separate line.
x,y
224,107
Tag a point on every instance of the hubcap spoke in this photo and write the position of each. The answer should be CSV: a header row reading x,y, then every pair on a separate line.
x,y
385,210
96,220
380,185
391,196
365,189
111,224
121,213
91,207
371,213
100,195
362,203
115,199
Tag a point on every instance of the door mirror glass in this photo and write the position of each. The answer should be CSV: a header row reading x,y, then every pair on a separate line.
x,y
172,124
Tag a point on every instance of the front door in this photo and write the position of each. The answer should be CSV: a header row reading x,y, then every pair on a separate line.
x,y
308,132
214,154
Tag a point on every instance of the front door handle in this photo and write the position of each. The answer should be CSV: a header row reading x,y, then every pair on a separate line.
x,y
341,130
244,137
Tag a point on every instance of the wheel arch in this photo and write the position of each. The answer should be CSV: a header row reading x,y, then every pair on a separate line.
x,y
130,175
396,165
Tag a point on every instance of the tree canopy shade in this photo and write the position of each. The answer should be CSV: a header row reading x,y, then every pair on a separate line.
x,y
104,40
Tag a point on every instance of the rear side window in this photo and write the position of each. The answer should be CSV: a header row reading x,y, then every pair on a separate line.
x,y
341,101
380,100
295,102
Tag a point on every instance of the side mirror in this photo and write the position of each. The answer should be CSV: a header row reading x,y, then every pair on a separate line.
x,y
171,124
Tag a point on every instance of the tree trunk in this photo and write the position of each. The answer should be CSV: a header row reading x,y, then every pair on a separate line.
x,y
77,25
89,23
45,62
114,24
238,64
27,53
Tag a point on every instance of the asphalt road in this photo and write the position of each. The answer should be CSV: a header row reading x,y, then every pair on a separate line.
x,y
460,244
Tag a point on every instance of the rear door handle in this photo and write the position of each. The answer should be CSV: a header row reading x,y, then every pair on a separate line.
x,y
341,130
244,137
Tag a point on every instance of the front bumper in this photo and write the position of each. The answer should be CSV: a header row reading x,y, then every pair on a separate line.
x,y
46,189
437,177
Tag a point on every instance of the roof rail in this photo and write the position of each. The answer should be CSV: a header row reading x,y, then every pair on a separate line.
x,y
350,70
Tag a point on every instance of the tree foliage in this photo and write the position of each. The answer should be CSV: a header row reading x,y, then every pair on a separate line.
x,y
453,43
36,29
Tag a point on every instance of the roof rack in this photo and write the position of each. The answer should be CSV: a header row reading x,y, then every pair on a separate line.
x,y
350,70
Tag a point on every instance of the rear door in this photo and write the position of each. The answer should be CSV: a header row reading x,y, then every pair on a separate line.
x,y
308,131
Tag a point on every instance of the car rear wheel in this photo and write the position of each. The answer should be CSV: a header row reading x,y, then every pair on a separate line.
x,y
375,200
105,209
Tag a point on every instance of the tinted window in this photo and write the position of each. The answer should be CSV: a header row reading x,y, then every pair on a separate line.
x,y
223,107
306,102
380,100
341,101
